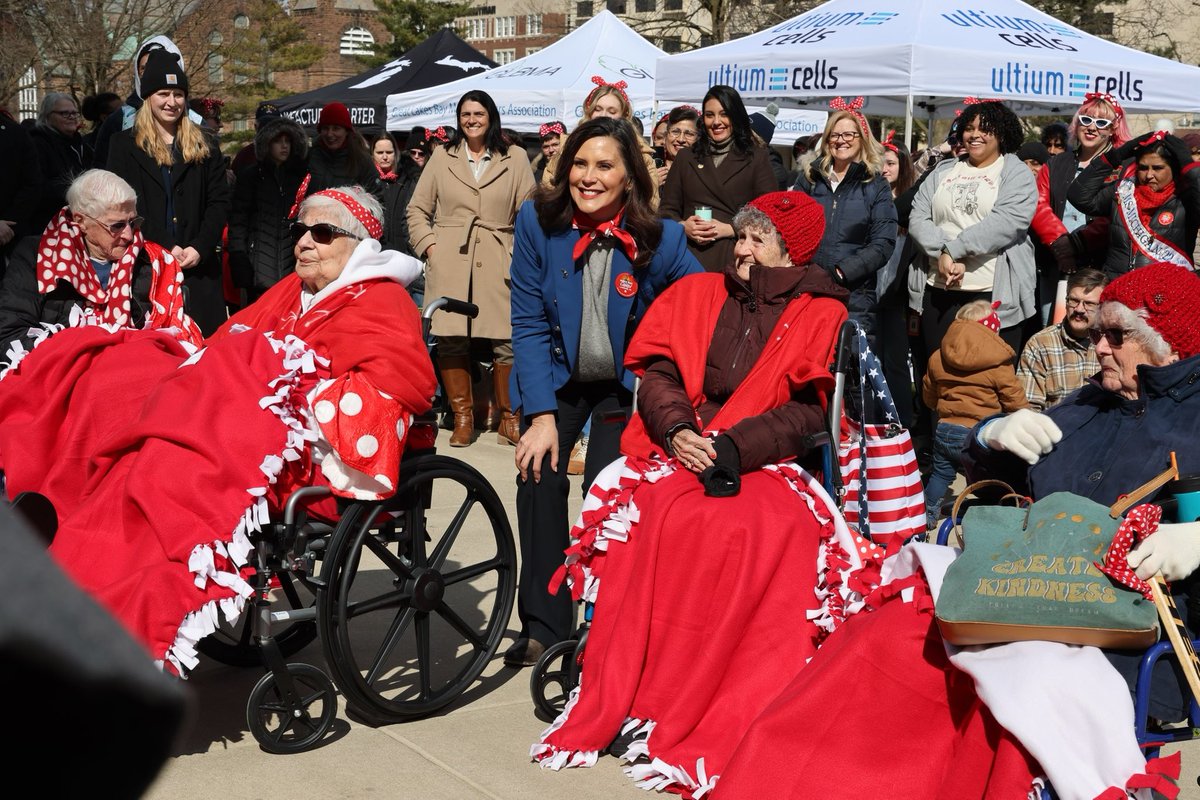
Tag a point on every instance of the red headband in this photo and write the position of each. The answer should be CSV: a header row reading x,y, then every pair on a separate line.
x,y
620,86
549,128
438,133
889,142
1106,97
839,104
373,226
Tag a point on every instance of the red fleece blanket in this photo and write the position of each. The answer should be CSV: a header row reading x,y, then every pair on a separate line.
x,y
710,606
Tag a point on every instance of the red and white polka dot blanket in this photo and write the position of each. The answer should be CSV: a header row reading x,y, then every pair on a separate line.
x,y
63,256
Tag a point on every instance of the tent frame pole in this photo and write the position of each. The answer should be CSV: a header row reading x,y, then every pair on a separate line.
x,y
908,123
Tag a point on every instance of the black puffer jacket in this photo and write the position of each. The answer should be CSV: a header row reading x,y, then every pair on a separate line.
x,y
331,168
61,159
260,244
860,228
22,308
1094,193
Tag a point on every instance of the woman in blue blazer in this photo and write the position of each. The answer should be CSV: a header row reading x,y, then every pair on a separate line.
x,y
588,258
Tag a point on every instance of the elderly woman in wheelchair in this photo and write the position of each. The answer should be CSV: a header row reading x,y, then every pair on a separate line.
x,y
163,460
715,563
984,721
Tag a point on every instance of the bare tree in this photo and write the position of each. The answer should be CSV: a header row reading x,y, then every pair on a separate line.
x,y
17,54
84,45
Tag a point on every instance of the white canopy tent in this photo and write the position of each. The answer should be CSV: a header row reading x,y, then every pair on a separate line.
x,y
928,55
552,83
547,85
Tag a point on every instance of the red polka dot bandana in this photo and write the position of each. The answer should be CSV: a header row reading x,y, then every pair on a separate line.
x,y
63,256
373,226
1140,522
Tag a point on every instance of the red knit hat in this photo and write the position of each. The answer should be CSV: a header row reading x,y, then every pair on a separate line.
x,y
799,219
335,114
1171,297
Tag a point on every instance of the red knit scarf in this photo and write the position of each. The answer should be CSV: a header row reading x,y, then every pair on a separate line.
x,y
589,230
1149,201
63,256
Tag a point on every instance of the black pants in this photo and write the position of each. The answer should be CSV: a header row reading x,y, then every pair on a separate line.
x,y
542,511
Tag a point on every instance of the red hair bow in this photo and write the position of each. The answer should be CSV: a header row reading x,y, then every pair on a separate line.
x,y
853,106
548,128
1106,97
439,133
889,141
620,86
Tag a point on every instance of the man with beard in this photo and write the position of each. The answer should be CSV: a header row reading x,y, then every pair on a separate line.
x,y
1059,359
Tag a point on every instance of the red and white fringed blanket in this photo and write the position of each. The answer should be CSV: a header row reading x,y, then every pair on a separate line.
x,y
167,466
710,606
961,723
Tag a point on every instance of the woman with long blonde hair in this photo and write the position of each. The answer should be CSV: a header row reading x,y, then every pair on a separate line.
x,y
179,177
860,228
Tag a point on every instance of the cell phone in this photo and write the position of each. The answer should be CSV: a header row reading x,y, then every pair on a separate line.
x,y
660,156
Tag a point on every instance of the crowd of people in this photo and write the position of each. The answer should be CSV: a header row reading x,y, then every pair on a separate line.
x,y
1032,303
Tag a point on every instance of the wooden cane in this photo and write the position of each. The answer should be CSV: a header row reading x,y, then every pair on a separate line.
x,y
1177,633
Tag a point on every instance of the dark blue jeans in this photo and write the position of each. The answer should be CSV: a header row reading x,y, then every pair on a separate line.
x,y
948,443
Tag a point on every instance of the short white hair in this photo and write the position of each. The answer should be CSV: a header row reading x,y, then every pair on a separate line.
x,y
97,191
48,103
341,215
1118,315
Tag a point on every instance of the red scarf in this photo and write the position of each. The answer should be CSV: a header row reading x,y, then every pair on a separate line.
x,y
63,256
390,177
589,230
1149,201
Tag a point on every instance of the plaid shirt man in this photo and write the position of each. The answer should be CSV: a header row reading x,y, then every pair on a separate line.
x,y
1054,364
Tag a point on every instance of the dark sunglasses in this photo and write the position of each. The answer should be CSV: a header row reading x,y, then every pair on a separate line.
x,y
117,228
1115,336
1100,122
322,232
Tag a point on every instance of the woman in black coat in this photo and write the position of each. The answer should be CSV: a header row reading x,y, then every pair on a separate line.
x,y
860,216
179,176
260,238
62,154
339,156
726,168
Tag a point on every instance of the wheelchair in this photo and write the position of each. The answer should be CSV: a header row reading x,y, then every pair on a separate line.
x,y
557,672
408,613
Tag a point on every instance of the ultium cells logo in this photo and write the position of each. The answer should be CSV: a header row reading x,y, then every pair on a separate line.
x,y
817,26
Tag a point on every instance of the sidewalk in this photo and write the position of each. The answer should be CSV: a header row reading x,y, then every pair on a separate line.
x,y
477,748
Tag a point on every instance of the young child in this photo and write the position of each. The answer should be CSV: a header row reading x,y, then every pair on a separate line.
x,y
970,378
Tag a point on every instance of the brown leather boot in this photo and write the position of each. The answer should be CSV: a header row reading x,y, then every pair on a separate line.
x,y
456,377
509,430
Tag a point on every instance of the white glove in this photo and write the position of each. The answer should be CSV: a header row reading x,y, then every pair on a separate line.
x,y
1173,550
1026,434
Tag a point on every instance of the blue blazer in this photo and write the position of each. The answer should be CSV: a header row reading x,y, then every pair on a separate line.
x,y
547,305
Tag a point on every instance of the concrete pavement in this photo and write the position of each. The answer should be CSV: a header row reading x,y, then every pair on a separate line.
x,y
477,748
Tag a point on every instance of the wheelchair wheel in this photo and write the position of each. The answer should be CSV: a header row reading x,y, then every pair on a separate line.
x,y
283,726
412,610
235,646
554,676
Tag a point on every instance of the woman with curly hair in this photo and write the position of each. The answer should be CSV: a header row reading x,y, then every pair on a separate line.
x,y
971,219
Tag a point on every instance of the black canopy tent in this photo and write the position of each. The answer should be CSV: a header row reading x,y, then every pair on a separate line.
x,y
441,58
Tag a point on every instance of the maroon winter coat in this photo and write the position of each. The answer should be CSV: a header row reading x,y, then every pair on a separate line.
x,y
744,326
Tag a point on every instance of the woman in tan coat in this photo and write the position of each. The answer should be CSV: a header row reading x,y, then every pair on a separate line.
x,y
460,219
725,169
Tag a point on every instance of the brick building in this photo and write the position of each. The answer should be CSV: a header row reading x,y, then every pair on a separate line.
x,y
506,30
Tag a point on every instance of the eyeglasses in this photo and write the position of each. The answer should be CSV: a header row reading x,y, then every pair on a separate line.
x,y
322,232
682,133
1115,336
117,228
849,136
67,114
1100,123
1073,303
416,152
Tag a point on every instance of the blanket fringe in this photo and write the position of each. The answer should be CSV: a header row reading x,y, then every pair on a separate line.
x,y
660,775
287,402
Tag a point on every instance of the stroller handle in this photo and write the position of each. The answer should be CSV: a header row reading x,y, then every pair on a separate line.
x,y
451,305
